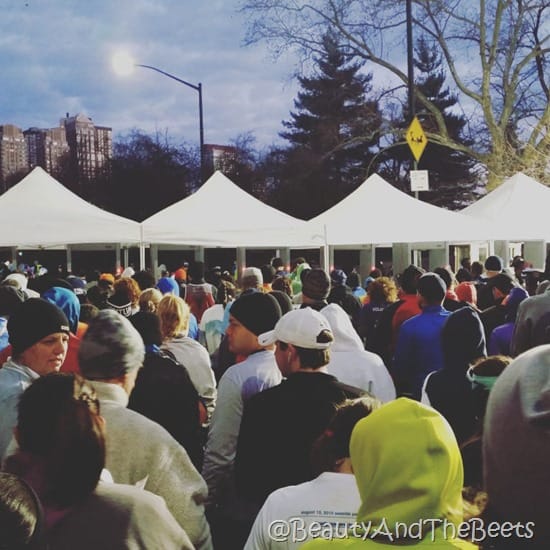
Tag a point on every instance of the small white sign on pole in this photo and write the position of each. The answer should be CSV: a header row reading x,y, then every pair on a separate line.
x,y
419,180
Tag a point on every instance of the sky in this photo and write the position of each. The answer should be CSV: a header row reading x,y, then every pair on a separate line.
x,y
56,58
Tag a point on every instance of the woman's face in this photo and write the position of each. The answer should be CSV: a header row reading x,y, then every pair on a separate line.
x,y
46,355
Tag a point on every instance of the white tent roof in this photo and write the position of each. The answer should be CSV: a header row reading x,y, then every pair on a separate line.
x,y
519,207
222,214
377,213
40,212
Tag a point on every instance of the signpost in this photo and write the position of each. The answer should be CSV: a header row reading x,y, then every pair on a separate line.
x,y
416,138
419,180
417,141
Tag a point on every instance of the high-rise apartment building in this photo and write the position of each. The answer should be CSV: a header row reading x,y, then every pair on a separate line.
x,y
47,148
90,146
218,157
13,152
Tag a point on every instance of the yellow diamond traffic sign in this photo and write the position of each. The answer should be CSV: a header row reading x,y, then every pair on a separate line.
x,y
416,138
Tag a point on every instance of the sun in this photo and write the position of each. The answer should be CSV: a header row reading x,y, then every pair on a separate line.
x,y
123,63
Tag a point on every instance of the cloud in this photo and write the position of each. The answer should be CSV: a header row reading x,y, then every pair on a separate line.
x,y
55,58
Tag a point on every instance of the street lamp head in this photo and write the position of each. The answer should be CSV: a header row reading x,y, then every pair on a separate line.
x,y
123,63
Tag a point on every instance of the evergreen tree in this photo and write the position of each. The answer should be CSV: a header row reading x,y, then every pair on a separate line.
x,y
451,173
331,134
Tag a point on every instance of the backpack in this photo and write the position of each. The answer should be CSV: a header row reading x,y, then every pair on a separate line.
x,y
165,394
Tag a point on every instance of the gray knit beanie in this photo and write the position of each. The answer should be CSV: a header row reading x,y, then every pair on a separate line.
x,y
110,348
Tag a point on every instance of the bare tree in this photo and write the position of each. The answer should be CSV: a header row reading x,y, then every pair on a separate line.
x,y
496,52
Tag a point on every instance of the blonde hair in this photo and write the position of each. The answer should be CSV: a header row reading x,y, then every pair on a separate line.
x,y
149,300
382,289
173,313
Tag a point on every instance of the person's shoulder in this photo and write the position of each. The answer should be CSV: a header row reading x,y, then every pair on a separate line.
x,y
536,300
6,372
125,512
372,358
267,397
162,366
412,323
488,311
350,391
123,421
251,365
193,346
121,493
13,379
501,330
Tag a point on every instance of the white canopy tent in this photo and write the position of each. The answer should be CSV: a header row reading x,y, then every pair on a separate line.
x,y
378,213
221,214
39,212
518,209
519,206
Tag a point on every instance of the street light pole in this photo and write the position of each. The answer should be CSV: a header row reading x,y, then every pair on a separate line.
x,y
197,88
410,73
410,61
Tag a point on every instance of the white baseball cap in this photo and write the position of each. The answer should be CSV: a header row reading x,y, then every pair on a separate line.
x,y
299,327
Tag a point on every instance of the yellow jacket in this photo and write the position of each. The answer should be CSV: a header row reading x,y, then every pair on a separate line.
x,y
409,473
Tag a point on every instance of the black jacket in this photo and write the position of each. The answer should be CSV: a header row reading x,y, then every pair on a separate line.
x,y
278,429
164,393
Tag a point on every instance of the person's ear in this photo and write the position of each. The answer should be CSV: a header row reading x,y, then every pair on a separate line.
x,y
292,353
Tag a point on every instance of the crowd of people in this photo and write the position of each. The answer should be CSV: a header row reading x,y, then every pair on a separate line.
x,y
289,407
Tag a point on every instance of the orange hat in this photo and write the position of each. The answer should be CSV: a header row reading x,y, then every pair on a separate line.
x,y
107,277
180,274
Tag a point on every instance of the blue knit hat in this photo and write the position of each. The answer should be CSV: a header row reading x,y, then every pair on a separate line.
x,y
167,285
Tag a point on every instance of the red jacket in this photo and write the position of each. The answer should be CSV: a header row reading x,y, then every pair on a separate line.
x,y
405,311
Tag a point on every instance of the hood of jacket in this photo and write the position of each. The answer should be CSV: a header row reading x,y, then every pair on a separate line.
x,y
345,336
516,296
407,465
67,301
462,340
516,442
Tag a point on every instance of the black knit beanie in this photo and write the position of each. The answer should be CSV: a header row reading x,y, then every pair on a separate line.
x,y
33,320
283,299
258,312
494,263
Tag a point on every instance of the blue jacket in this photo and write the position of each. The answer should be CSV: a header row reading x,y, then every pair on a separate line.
x,y
419,350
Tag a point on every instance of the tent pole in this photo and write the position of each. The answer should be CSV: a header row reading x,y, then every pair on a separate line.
x,y
69,259
141,249
325,251
117,258
199,254
154,252
241,262
14,258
